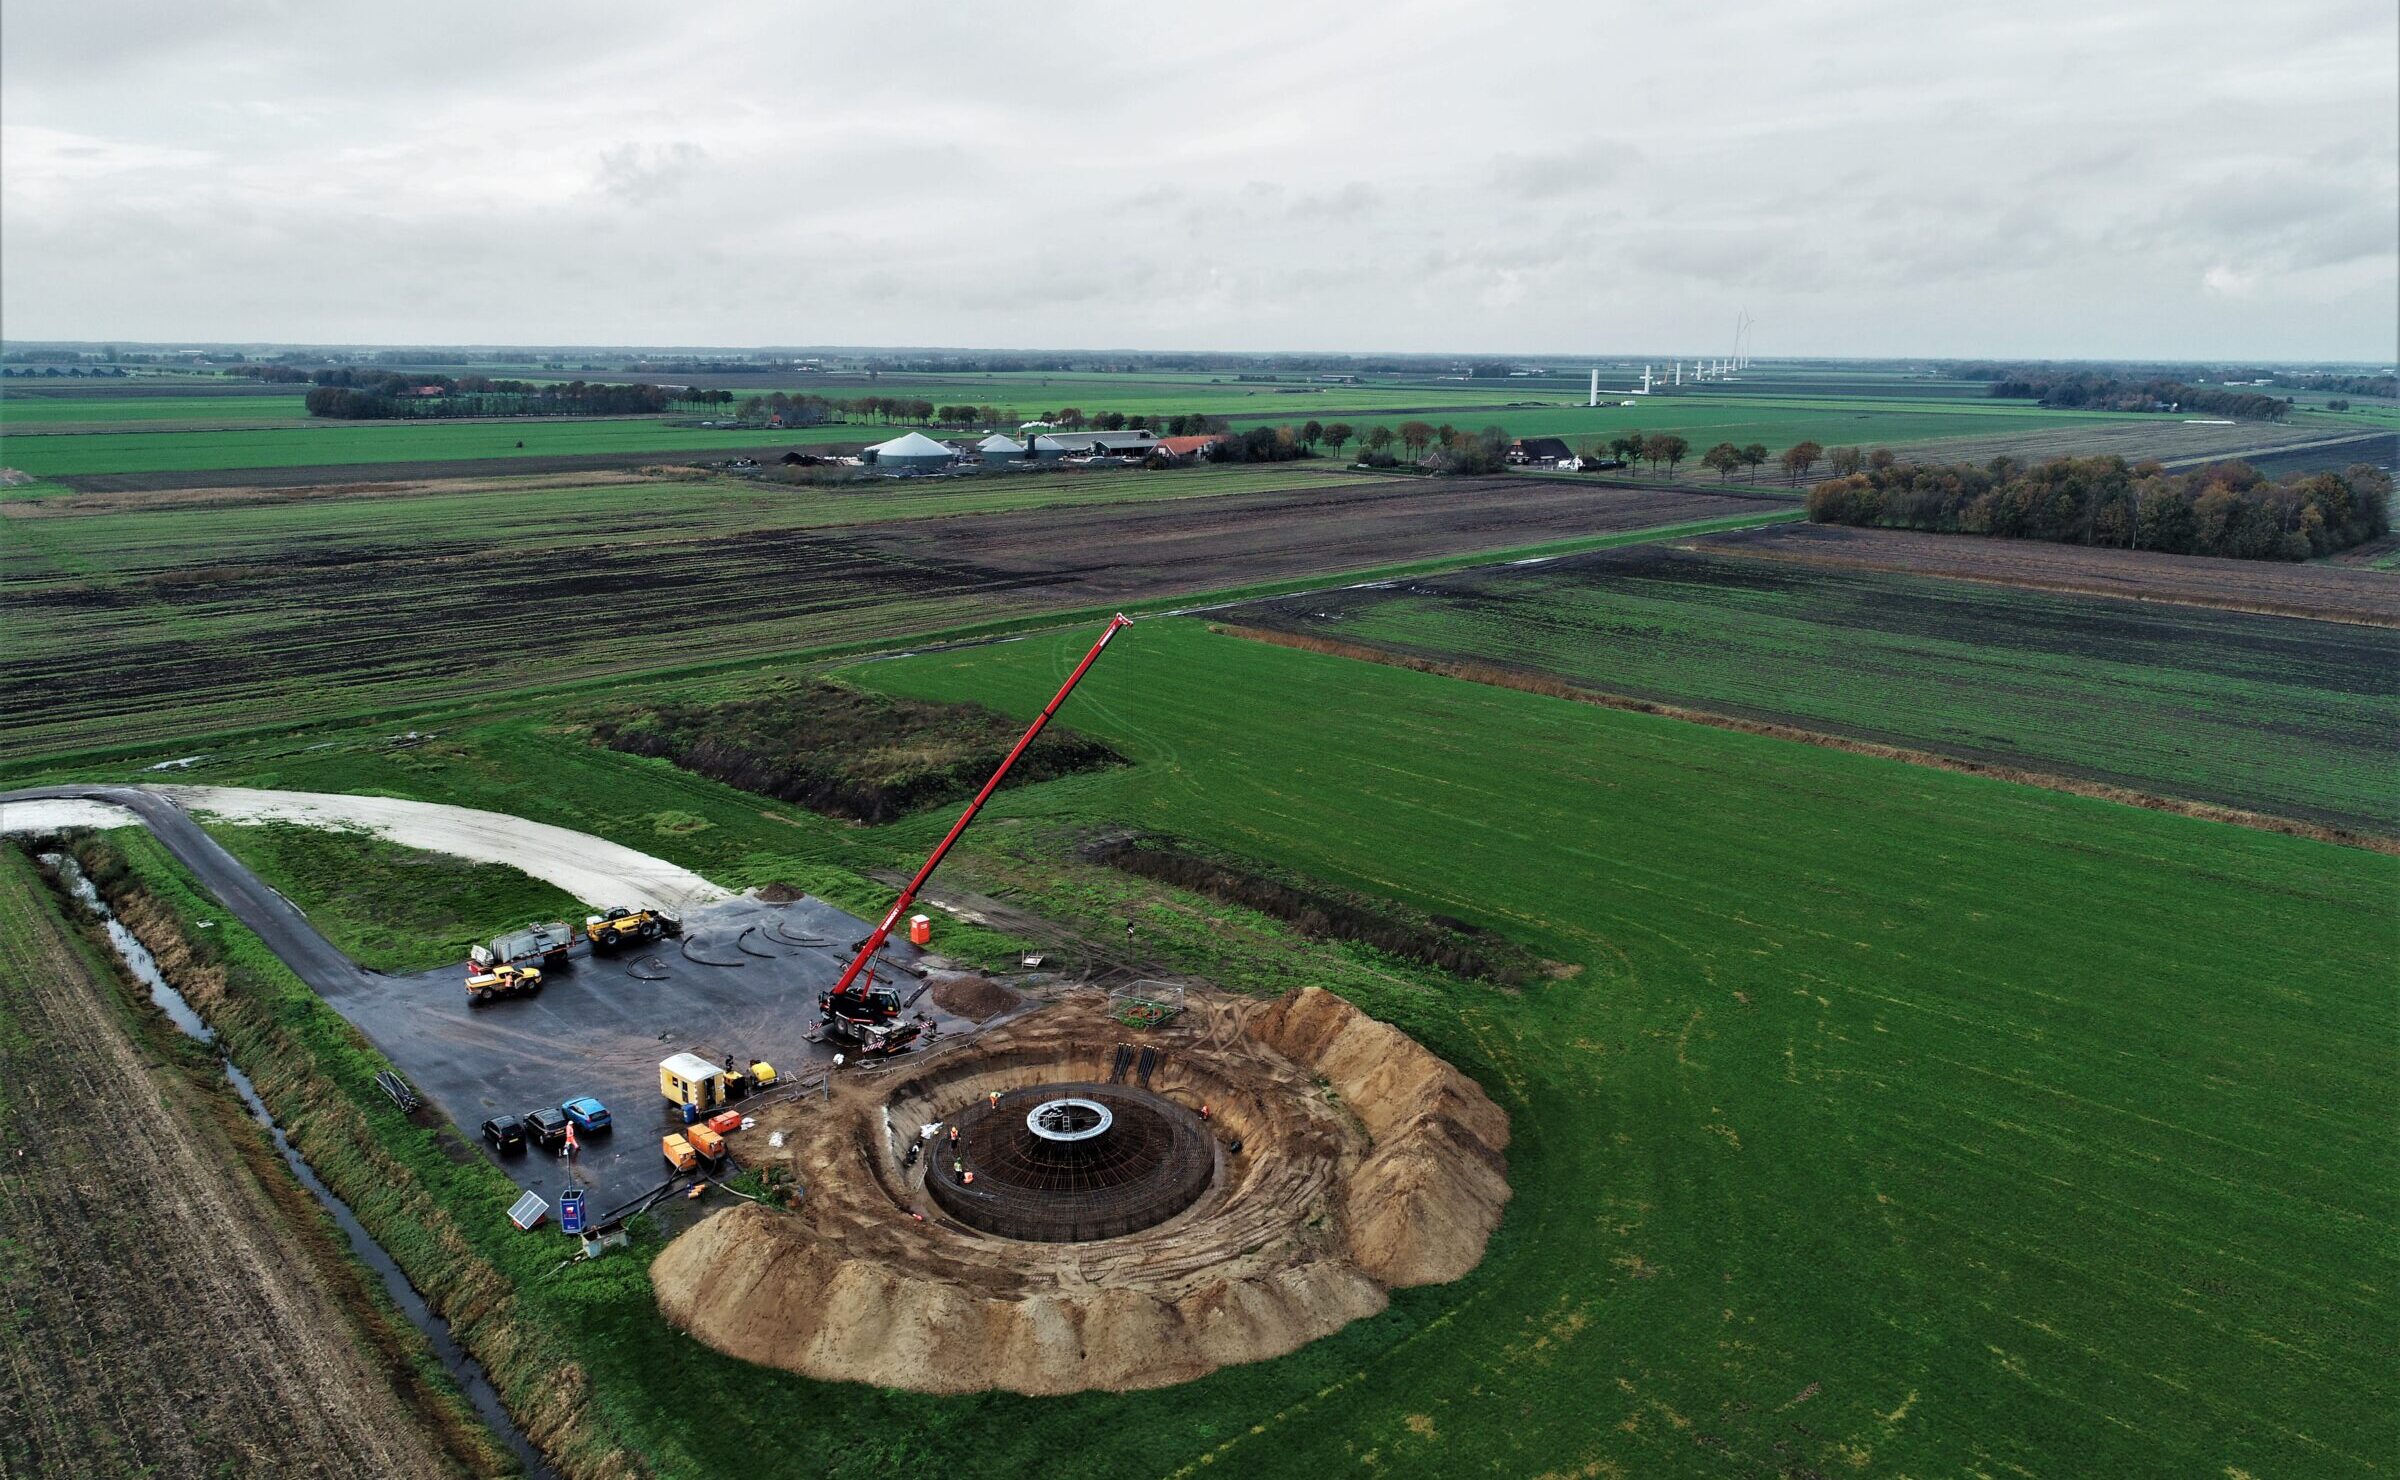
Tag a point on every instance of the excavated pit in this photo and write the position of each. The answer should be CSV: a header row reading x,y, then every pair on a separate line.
x,y
1143,1253
1071,1163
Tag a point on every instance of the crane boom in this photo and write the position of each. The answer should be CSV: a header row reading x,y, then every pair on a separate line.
x,y
908,893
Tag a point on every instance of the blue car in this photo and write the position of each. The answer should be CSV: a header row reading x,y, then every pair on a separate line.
x,y
588,1114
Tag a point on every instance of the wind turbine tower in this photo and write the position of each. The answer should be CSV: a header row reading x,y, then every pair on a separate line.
x,y
1595,400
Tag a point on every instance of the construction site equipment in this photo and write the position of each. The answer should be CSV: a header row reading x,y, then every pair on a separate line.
x,y
396,1087
762,1075
679,1153
618,924
535,945
707,1145
688,1079
503,981
528,1211
1146,1004
570,1211
862,1014
920,930
725,1122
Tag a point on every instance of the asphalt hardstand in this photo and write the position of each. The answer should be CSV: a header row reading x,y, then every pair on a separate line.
x,y
741,983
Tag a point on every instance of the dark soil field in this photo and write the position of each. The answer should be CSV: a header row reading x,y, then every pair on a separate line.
x,y
2264,714
132,644
2324,592
435,468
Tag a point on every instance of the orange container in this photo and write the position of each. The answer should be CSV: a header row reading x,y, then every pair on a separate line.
x,y
920,930
727,1123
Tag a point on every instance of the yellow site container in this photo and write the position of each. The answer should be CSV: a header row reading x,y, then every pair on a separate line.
x,y
688,1079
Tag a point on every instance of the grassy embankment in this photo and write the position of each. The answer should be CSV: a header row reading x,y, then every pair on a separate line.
x,y
1881,1117
2161,698
391,908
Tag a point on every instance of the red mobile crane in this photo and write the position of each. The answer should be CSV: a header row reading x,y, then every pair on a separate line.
x,y
858,1010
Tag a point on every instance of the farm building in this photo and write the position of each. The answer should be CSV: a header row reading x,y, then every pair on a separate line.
x,y
999,451
1130,443
1185,449
1539,450
911,452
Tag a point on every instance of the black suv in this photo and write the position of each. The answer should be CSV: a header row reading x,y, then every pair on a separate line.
x,y
505,1132
547,1126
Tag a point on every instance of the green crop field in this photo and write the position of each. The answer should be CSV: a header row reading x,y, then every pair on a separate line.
x,y
21,413
337,443
1779,422
2162,698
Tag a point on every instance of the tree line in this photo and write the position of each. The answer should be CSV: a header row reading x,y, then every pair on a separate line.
x,y
378,395
2228,509
2084,390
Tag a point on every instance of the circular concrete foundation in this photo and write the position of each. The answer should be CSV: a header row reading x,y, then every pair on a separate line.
x,y
1067,1163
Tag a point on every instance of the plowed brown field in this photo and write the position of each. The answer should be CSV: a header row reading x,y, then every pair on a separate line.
x,y
175,638
2323,592
166,1317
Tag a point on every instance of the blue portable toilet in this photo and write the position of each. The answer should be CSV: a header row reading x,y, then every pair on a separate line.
x,y
691,1113
570,1210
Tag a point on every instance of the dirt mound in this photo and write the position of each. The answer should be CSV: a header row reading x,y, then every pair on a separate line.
x,y
1432,1188
1366,1163
975,998
781,893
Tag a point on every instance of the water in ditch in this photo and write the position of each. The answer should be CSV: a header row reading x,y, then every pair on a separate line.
x,y
468,1372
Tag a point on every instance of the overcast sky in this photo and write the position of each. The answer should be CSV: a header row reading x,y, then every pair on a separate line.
x,y
2084,179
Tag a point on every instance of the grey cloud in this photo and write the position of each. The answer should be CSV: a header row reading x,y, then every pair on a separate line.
x,y
639,174
1872,176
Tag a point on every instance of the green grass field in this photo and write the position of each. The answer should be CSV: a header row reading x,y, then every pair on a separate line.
x,y
2004,1130
1778,422
2166,699
180,440
342,443
1895,1121
20,413
393,909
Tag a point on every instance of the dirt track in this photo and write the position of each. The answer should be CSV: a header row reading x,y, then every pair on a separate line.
x,y
166,1316
2273,588
594,870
